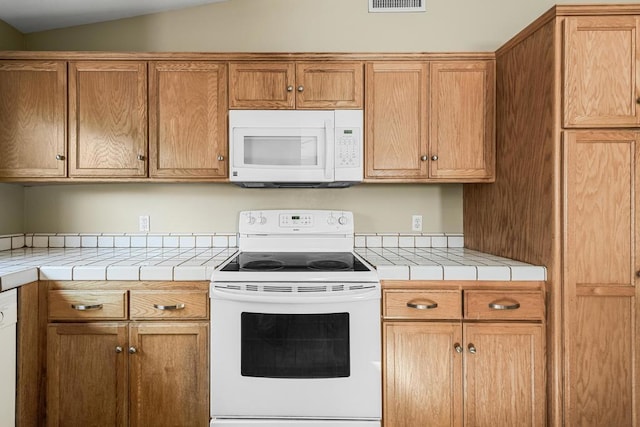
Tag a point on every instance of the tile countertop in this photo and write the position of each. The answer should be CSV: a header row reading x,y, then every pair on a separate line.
x,y
25,265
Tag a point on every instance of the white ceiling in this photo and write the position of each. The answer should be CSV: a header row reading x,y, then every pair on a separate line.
x,y
29,16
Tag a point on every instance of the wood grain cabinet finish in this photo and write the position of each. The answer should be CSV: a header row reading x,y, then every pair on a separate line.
x,y
108,119
462,119
33,119
289,85
187,120
430,121
602,236
444,369
601,71
152,368
396,120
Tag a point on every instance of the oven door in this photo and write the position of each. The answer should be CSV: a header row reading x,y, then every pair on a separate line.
x,y
296,356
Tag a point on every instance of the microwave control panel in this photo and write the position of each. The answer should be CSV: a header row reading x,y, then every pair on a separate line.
x,y
347,147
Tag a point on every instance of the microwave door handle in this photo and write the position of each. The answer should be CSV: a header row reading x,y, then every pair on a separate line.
x,y
328,144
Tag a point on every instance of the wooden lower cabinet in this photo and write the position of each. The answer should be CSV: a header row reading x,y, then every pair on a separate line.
x,y
143,368
488,371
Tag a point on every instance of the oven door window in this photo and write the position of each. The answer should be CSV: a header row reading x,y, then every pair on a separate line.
x,y
295,345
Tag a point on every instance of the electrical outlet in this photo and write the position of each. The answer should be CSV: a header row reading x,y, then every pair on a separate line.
x,y
416,223
143,223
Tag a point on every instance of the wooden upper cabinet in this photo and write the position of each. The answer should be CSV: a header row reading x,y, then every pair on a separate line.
x,y
331,85
462,120
396,120
601,71
33,118
289,85
107,119
187,120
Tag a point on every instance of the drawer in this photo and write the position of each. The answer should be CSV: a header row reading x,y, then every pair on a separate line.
x,y
494,305
168,304
87,305
400,304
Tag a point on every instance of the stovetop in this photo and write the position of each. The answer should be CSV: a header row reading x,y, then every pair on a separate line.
x,y
295,262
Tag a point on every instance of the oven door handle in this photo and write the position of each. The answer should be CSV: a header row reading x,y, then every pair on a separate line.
x,y
295,297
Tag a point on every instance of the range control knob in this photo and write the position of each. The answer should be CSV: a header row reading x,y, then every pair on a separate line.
x,y
251,219
343,220
331,220
262,220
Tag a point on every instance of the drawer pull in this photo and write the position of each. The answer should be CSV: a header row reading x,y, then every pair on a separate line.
x,y
423,305
169,307
504,304
81,307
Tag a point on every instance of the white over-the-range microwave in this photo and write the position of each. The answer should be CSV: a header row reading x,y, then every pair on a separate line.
x,y
295,148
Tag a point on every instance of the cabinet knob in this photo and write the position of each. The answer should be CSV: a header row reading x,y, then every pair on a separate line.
x,y
300,88
434,157
220,158
289,88
133,350
424,158
638,273
457,347
637,100
141,157
472,348
59,157
118,349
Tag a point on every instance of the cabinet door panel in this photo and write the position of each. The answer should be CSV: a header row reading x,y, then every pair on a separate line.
x,y
504,379
396,120
461,136
596,94
107,119
262,85
599,277
169,376
86,376
188,120
33,118
329,85
422,381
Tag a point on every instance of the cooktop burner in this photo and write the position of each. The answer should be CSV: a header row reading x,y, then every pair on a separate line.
x,y
295,261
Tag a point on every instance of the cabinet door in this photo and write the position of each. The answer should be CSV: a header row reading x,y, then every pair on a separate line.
x,y
107,119
268,85
396,120
601,71
329,85
33,119
87,374
504,375
422,374
600,283
169,374
188,120
461,140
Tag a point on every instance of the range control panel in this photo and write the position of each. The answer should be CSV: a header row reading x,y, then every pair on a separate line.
x,y
295,222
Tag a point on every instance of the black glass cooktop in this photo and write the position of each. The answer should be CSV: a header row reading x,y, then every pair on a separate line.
x,y
295,261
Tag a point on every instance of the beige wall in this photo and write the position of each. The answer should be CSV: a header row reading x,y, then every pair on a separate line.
x,y
285,26
215,207
11,209
10,38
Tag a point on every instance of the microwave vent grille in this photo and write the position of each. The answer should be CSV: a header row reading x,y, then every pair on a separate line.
x,y
397,5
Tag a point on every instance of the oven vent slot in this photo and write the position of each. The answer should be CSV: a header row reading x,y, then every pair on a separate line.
x,y
337,288
312,288
234,287
254,288
397,5
354,287
278,289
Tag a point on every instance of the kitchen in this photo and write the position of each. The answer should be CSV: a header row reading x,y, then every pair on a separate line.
x,y
88,208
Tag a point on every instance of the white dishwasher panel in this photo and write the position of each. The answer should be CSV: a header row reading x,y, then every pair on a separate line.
x,y
8,320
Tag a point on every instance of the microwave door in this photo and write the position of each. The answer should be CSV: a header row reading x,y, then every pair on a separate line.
x,y
329,149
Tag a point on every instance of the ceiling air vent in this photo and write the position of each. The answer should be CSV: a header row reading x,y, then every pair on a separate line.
x,y
397,5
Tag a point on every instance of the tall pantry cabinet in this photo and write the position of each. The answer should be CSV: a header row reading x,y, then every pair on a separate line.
x,y
566,197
